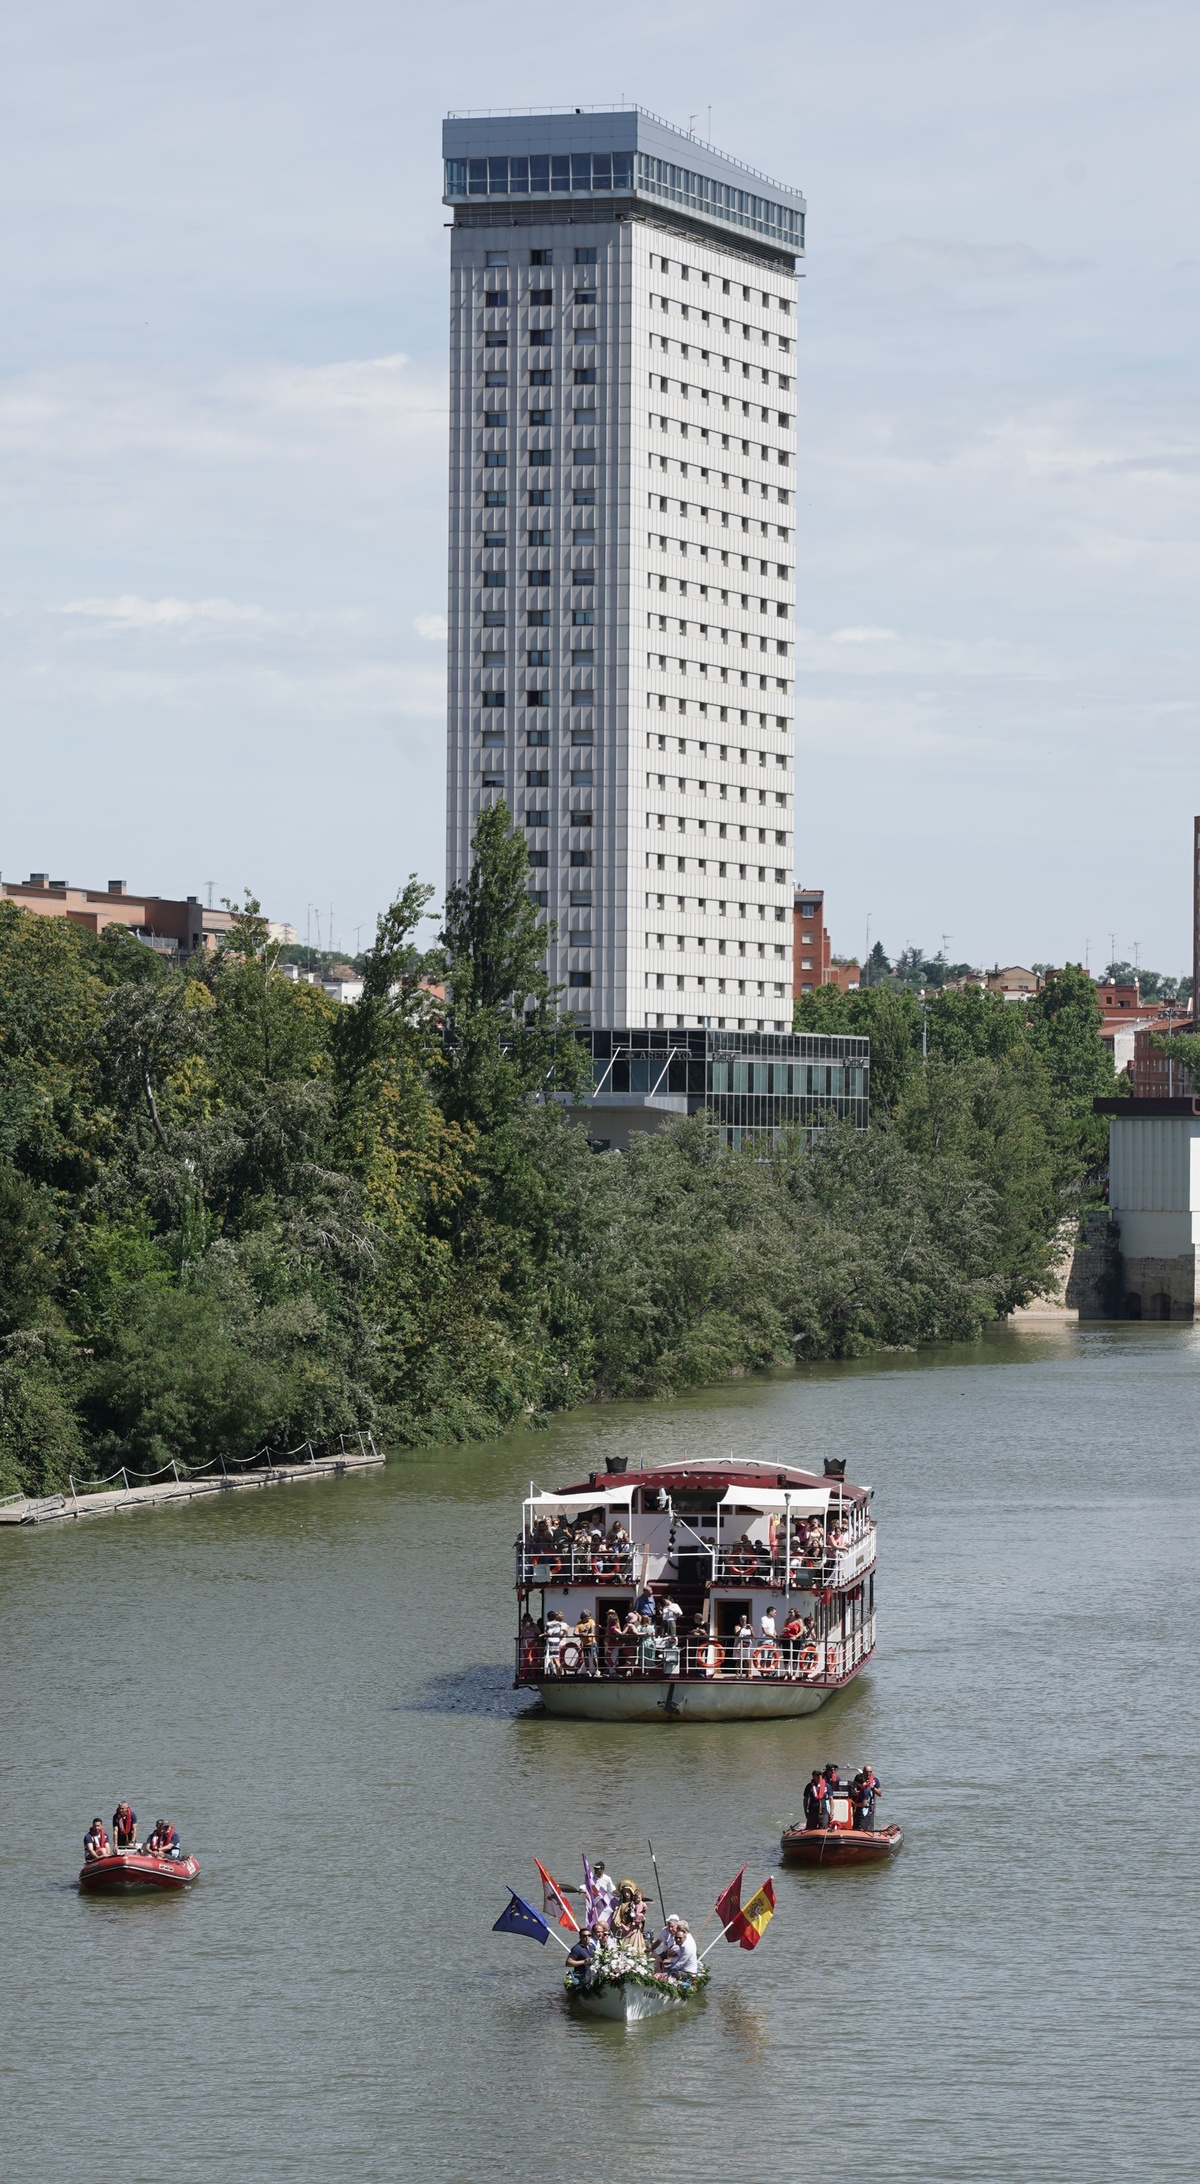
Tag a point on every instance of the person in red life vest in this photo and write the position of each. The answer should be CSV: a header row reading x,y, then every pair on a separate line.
x,y
96,1843
163,1840
816,1801
125,1828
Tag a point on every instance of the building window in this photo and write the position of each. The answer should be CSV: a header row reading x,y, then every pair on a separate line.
x,y
541,257
495,459
540,337
580,978
586,377
539,456
537,697
586,257
495,341
495,500
541,379
492,698
538,856
540,497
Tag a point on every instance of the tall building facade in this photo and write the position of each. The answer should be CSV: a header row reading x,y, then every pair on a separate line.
x,y
622,554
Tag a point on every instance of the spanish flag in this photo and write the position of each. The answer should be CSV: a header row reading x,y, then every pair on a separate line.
x,y
756,1916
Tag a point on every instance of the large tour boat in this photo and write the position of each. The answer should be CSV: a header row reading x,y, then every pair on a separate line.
x,y
724,1542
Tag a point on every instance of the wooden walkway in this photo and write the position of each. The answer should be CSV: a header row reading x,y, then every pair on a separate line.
x,y
61,1508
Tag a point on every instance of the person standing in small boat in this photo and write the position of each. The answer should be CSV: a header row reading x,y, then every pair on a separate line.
x,y
816,1800
866,1789
96,1843
124,1828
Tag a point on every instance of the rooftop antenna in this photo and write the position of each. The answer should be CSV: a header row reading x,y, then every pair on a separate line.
x,y
692,120
210,884
710,124
1112,953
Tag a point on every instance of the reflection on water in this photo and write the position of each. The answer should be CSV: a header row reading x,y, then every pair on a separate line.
x,y
317,1685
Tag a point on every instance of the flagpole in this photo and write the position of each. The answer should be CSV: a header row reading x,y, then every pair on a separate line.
x,y
654,1863
724,1934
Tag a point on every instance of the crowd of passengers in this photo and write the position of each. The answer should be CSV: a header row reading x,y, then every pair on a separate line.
x,y
581,1546
586,1542
617,1914
651,1639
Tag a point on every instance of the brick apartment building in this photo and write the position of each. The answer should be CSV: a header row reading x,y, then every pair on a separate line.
x,y
812,961
173,928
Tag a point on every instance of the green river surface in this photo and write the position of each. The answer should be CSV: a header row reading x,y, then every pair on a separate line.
x,y
315,1682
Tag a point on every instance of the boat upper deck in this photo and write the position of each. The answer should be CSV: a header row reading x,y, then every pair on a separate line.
x,y
708,1522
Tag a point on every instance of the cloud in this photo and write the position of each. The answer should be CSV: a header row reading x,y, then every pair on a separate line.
x,y
914,260
862,633
432,626
132,612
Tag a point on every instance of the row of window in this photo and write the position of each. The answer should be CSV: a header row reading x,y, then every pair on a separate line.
x,y
728,326
699,273
658,979
765,376
701,941
586,174
685,431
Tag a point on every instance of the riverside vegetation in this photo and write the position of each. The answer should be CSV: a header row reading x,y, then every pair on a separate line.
x,y
235,1212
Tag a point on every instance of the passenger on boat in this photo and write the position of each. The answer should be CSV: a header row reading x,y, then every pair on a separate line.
x,y
814,1540
644,1604
668,1653
530,1643
684,1961
698,1638
163,1840
585,1632
743,1646
557,1632
124,1828
866,1789
614,1632
581,1956
793,1638
839,1537
96,1843
669,1612
618,1537
768,1634
647,1654
604,1888
833,1779
816,1801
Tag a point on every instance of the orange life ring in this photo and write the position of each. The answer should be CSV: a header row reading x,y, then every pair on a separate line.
x,y
706,1653
604,1571
743,1564
570,1645
767,1659
552,1563
809,1658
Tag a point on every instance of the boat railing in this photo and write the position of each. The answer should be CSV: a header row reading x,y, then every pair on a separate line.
x,y
574,1565
811,1660
735,1566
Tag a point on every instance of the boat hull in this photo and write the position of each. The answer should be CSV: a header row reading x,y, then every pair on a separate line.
x,y
627,2004
698,1699
839,1846
131,1872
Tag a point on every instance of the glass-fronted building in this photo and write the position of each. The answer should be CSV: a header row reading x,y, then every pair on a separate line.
x,y
754,1084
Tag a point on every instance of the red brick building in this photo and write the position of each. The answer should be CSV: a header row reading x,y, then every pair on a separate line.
x,y
812,961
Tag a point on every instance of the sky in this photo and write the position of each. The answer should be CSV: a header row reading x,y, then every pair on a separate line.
x,y
223,443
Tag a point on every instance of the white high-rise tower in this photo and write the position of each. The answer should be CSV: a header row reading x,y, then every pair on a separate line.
x,y
622,554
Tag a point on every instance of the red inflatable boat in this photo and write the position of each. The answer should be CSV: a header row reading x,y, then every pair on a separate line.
x,y
138,1870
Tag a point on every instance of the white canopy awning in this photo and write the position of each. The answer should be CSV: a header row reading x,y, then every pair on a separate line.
x,y
803,1501
608,1497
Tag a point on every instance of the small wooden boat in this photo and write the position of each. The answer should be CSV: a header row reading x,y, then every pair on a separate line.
x,y
840,1846
140,1871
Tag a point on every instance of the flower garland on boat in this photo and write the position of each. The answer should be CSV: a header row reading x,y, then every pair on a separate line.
x,y
617,1967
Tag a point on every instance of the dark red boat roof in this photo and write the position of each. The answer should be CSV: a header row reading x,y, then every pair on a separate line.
x,y
712,1473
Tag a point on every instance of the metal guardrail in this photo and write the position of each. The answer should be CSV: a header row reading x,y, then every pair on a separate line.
x,y
812,1661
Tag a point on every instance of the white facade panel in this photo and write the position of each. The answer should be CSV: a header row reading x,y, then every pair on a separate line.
x,y
1154,1164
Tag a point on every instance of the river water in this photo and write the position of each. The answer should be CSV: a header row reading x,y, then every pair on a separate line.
x,y
315,1682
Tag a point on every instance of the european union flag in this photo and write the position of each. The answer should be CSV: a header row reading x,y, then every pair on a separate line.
x,y
521,1918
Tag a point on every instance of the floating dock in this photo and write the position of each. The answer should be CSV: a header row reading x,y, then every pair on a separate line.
x,y
62,1508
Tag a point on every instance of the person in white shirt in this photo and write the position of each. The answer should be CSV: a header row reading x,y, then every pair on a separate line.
x,y
684,1961
770,1636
